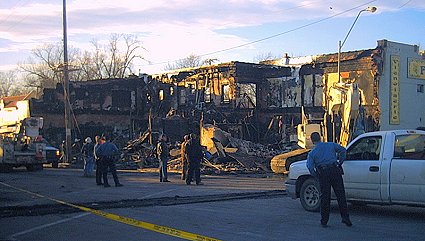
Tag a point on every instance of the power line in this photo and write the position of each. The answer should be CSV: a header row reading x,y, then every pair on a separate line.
x,y
271,36
20,3
404,4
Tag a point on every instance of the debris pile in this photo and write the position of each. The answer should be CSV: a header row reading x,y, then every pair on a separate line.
x,y
223,153
138,153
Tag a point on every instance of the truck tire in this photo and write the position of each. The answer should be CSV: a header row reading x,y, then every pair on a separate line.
x,y
55,164
310,195
6,168
34,167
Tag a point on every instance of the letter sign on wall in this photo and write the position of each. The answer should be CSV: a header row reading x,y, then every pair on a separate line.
x,y
395,90
416,69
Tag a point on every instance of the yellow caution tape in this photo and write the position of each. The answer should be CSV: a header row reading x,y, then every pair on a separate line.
x,y
130,221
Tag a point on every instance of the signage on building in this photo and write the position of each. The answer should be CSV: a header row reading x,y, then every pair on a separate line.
x,y
416,69
395,90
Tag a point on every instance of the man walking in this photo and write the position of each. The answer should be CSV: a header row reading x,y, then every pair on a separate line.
x,y
163,152
194,156
322,162
107,153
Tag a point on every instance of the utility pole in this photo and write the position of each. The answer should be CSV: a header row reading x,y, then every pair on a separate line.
x,y
150,126
66,89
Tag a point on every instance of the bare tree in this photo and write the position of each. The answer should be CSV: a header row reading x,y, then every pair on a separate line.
x,y
6,83
44,68
10,84
209,61
110,61
189,62
114,60
264,57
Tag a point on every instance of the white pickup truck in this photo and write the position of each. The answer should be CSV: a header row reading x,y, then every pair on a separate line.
x,y
384,167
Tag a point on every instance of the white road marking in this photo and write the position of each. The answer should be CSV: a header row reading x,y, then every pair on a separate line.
x,y
48,225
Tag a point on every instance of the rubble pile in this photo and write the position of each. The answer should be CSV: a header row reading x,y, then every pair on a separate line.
x,y
138,153
254,149
223,154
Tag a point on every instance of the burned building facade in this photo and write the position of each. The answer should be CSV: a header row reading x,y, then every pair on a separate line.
x,y
236,96
114,105
259,102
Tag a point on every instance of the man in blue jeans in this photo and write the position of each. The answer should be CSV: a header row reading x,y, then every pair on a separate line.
x,y
87,151
322,162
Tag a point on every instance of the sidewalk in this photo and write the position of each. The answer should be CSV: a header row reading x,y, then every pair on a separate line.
x,y
69,185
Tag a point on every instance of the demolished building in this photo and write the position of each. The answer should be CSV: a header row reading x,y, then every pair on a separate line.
x,y
388,76
257,102
113,105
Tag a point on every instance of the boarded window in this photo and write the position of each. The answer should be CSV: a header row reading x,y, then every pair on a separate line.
x,y
121,98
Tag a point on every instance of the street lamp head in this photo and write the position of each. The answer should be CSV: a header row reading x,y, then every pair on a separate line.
x,y
371,9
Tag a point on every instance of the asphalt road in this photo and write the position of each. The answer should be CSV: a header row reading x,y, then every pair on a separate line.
x,y
226,208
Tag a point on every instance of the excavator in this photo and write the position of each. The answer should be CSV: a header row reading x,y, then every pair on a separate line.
x,y
343,118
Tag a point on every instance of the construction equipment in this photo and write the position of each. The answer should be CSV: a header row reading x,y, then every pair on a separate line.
x,y
20,141
341,121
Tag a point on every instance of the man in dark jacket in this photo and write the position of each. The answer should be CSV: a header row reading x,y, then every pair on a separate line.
x,y
163,153
194,156
107,153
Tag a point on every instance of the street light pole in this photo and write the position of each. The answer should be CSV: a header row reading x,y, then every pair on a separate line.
x,y
328,113
340,45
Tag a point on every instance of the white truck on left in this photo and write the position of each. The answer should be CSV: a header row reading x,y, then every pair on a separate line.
x,y
20,142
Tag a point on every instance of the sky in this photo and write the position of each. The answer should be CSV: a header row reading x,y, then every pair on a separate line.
x,y
226,30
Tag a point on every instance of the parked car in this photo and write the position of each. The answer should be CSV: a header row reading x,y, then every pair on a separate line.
x,y
384,167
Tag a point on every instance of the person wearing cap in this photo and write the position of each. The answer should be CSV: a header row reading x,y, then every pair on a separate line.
x,y
107,152
87,151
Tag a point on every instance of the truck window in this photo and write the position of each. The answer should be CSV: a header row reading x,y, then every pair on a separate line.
x,y
367,148
410,147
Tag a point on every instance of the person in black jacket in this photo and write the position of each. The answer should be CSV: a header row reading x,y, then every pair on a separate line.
x,y
194,157
107,153
163,153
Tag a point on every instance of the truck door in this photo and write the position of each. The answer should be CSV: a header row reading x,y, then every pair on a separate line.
x,y
407,175
362,169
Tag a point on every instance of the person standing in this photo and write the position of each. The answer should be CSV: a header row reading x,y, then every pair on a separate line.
x,y
194,156
163,153
107,153
322,162
87,151
98,162
183,156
